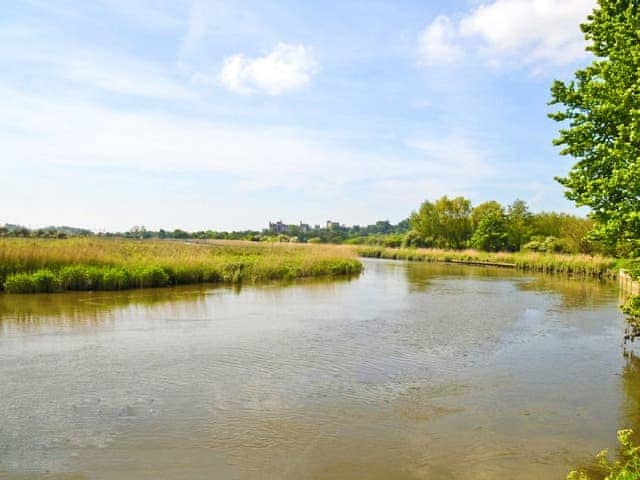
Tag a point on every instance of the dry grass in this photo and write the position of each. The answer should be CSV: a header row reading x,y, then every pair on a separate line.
x,y
31,265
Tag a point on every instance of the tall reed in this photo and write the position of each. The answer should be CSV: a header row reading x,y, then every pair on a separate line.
x,y
576,265
42,265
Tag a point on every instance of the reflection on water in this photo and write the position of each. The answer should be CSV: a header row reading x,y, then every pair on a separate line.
x,y
78,308
412,371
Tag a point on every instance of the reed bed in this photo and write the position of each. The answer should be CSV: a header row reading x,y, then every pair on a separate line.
x,y
572,265
41,265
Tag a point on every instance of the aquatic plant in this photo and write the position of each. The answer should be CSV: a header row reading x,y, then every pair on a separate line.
x,y
627,467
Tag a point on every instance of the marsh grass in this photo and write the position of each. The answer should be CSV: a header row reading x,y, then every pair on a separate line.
x,y
574,265
41,265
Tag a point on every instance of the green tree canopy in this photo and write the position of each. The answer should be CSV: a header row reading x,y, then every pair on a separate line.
x,y
491,233
482,210
445,223
518,224
600,109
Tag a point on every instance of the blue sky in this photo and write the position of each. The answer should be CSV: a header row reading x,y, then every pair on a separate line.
x,y
225,115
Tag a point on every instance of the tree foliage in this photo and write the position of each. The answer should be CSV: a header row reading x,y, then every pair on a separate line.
x,y
519,223
490,227
600,110
445,223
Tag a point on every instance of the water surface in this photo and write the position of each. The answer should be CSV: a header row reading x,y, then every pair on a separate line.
x,y
411,371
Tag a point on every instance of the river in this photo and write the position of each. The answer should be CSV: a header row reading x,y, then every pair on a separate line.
x,y
410,371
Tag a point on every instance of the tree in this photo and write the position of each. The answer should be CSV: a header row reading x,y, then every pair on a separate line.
x,y
482,210
455,221
445,223
490,227
601,111
518,224
425,223
569,228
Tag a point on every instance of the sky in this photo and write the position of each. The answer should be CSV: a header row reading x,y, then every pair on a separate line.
x,y
228,114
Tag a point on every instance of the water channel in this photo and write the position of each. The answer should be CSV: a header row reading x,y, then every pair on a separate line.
x,y
410,371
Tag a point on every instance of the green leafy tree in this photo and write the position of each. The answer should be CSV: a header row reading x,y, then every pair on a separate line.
x,y
482,210
455,221
490,233
425,223
600,110
445,223
519,224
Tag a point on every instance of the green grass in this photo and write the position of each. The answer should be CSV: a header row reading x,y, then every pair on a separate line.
x,y
575,265
44,266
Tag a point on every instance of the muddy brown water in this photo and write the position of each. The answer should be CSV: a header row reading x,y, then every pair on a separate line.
x,y
410,371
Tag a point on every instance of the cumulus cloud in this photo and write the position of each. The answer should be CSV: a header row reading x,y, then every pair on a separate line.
x,y
528,31
541,30
287,67
437,42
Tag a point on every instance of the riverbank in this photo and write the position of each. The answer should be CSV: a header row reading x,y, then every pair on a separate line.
x,y
43,265
571,265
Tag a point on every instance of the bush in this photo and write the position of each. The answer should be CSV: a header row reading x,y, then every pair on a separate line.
x,y
627,468
632,307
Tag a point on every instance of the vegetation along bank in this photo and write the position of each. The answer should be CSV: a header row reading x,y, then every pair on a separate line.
x,y
48,265
595,266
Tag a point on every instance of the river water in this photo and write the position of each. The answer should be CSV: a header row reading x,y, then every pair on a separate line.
x,y
410,371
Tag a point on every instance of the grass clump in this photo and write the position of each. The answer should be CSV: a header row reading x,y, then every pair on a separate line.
x,y
47,265
42,281
626,468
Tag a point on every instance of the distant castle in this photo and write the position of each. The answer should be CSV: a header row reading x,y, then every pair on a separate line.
x,y
281,227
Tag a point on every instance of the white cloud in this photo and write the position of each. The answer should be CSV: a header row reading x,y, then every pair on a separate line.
x,y
524,31
287,67
437,42
38,131
537,30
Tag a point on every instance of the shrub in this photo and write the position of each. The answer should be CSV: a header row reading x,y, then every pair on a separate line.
x,y
627,468
632,307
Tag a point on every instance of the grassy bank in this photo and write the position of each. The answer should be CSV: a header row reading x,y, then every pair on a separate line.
x,y
577,265
41,265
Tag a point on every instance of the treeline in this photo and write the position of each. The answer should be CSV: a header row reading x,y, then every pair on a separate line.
x,y
454,223
448,223
336,233
9,230
381,232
